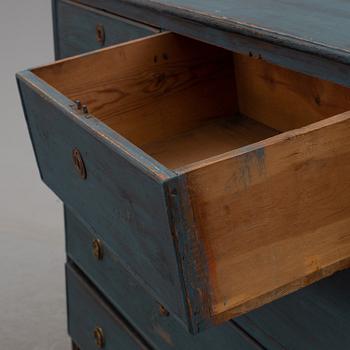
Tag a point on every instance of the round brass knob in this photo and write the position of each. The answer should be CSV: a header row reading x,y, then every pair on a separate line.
x,y
99,337
79,163
97,249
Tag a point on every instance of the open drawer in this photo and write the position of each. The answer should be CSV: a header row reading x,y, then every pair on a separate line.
x,y
221,181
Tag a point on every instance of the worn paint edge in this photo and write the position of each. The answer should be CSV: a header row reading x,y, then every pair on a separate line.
x,y
191,257
97,129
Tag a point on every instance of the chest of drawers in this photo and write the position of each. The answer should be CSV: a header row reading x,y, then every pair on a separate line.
x,y
207,168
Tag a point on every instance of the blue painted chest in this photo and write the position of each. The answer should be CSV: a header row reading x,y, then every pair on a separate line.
x,y
203,163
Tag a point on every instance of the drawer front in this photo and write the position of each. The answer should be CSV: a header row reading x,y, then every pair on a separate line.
x,y
157,326
79,29
117,190
92,323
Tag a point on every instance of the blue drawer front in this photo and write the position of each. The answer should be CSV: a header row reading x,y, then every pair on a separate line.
x,y
92,322
127,294
79,29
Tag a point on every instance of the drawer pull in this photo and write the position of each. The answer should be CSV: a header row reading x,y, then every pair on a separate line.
x,y
99,337
97,249
79,163
100,34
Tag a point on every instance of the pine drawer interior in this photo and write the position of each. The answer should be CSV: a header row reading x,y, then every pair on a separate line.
x,y
265,152
182,101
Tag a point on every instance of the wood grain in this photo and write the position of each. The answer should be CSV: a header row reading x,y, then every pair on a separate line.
x,y
274,215
148,90
284,99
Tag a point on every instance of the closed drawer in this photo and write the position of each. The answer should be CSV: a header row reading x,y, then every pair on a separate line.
x,y
220,180
79,29
159,327
315,317
92,322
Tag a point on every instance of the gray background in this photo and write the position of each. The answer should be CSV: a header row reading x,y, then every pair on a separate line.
x,y
32,291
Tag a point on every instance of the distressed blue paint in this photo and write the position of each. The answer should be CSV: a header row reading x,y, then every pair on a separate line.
x,y
135,302
87,310
191,255
122,198
75,28
252,159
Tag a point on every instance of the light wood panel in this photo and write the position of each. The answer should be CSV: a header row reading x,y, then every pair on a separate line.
x,y
209,139
284,99
150,89
274,216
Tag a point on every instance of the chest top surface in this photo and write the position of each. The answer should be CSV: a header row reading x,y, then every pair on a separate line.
x,y
315,26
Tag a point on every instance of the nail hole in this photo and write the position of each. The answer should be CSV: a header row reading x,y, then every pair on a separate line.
x,y
318,100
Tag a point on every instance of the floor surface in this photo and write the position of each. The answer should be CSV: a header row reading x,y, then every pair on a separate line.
x,y
32,290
